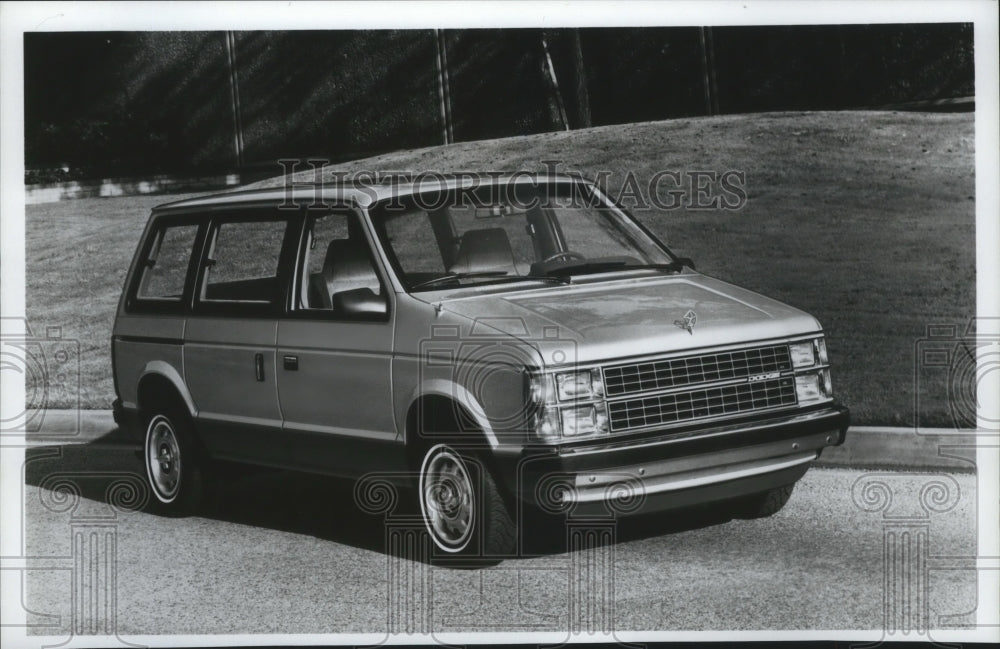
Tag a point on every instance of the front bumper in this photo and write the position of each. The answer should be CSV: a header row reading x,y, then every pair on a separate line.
x,y
675,468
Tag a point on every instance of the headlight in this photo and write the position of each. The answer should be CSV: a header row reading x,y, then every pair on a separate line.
x,y
588,420
807,387
808,353
803,354
813,387
579,385
568,405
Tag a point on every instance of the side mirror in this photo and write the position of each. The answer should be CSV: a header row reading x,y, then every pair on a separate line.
x,y
686,261
360,302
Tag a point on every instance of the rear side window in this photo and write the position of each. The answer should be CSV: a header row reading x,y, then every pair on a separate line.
x,y
242,264
164,271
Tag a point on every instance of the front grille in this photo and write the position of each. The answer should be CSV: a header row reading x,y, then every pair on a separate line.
x,y
678,372
704,402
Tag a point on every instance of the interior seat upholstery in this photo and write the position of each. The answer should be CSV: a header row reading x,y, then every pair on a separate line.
x,y
347,266
483,251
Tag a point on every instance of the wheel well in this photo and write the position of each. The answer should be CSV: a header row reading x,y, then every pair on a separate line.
x,y
445,415
156,391
442,415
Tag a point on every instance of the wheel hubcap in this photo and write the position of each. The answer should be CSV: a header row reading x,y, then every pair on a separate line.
x,y
447,499
163,458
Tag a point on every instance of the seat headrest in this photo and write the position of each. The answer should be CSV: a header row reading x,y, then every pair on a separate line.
x,y
484,250
347,260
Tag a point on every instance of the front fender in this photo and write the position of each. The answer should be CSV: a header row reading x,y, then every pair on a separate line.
x,y
460,395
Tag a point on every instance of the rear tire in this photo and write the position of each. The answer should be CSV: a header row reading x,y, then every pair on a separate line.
x,y
463,510
765,504
174,463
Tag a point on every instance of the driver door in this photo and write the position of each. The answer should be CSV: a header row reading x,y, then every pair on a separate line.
x,y
334,361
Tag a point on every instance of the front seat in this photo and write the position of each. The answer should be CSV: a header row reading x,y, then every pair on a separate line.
x,y
483,251
347,266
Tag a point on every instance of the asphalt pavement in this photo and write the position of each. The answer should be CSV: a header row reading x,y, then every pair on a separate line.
x,y
279,552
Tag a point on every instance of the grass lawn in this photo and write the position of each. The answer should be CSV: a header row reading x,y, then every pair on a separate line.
x,y
864,219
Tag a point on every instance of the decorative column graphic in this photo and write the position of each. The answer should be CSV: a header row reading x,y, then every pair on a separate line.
x,y
93,542
906,542
408,576
591,533
587,568
591,547
407,556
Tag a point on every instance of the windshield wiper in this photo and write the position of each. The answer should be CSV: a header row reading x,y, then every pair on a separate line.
x,y
598,266
498,274
585,267
454,277
675,266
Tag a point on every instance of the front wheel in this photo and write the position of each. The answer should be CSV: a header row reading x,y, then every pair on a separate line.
x,y
462,508
173,465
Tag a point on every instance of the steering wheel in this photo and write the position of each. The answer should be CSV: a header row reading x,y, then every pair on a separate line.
x,y
563,254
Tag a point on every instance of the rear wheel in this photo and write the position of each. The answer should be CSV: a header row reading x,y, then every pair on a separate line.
x,y
462,508
173,463
765,504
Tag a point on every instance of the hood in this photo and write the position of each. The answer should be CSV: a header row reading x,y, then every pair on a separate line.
x,y
640,316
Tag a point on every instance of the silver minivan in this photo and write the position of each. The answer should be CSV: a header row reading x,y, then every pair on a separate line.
x,y
502,344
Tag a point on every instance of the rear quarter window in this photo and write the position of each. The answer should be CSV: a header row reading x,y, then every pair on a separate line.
x,y
163,272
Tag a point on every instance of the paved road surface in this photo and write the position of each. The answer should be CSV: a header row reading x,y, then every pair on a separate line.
x,y
287,553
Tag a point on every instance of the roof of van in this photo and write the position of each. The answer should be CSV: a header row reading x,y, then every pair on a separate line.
x,y
364,192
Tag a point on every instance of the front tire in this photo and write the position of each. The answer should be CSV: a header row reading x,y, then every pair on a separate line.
x,y
462,508
173,463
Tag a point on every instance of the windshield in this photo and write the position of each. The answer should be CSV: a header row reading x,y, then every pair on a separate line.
x,y
511,233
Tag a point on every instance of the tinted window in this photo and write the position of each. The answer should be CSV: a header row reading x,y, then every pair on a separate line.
x,y
243,262
165,269
412,240
509,234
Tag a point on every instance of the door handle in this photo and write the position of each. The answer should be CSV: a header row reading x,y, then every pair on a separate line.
x,y
258,366
291,363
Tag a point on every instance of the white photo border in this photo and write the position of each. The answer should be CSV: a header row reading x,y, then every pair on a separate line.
x,y
19,18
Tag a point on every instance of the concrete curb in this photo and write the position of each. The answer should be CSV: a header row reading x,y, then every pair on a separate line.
x,y
925,449
55,192
58,427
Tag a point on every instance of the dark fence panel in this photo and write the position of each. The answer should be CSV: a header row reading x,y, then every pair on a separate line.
x,y
498,84
339,94
643,75
117,102
830,68
114,103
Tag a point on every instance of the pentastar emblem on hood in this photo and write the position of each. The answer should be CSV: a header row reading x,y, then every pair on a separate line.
x,y
689,321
